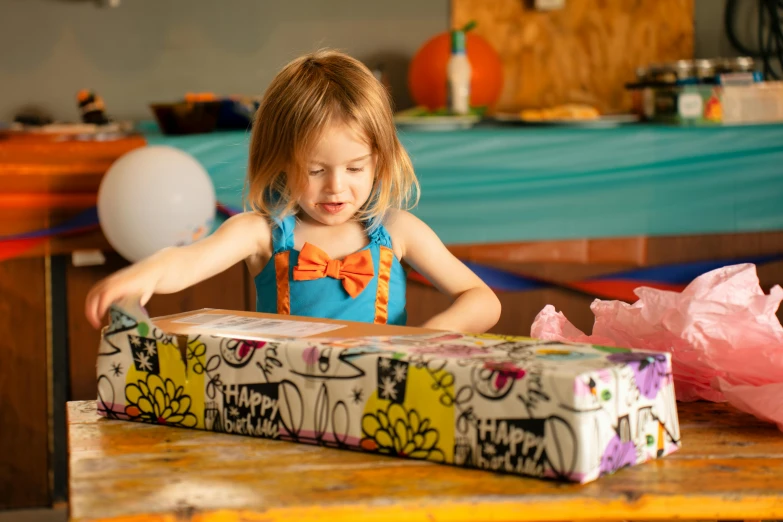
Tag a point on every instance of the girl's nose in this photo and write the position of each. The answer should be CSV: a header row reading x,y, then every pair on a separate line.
x,y
335,182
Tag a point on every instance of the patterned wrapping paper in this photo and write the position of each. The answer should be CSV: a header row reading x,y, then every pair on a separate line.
x,y
571,412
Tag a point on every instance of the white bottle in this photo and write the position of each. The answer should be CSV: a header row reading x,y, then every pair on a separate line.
x,y
458,74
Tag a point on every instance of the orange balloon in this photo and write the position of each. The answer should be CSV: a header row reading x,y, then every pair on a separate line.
x,y
427,80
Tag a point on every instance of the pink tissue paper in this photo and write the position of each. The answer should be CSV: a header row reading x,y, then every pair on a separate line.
x,y
725,340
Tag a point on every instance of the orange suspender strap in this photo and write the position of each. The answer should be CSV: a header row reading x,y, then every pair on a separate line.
x,y
384,275
283,292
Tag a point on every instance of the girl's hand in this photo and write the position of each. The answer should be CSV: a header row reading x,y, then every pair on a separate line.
x,y
136,280
173,269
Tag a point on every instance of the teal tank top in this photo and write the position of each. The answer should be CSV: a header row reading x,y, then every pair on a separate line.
x,y
316,286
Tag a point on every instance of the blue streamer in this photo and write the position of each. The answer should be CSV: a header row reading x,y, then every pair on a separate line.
x,y
682,273
88,218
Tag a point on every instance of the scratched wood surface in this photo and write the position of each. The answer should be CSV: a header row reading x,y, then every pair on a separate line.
x,y
730,467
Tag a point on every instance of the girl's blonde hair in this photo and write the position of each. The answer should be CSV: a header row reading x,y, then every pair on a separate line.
x,y
308,95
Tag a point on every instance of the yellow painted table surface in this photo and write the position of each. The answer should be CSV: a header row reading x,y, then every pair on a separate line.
x,y
730,467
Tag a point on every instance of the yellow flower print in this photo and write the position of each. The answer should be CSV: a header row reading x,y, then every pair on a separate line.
x,y
400,432
159,402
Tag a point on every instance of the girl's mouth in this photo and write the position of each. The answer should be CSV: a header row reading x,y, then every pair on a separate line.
x,y
332,208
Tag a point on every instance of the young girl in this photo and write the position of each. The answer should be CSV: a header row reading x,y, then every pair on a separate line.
x,y
327,183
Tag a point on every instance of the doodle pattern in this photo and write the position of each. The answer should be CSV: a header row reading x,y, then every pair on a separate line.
x,y
509,404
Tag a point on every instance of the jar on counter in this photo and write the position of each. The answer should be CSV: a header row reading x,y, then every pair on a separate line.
x,y
739,64
672,72
705,70
642,74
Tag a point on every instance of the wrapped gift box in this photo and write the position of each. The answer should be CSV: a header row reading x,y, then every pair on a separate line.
x,y
565,411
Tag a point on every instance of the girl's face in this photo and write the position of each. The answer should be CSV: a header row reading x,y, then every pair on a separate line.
x,y
341,173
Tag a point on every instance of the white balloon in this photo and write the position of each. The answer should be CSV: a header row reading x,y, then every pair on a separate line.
x,y
152,198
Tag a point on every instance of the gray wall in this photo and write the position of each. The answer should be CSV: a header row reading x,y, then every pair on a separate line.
x,y
156,50
711,40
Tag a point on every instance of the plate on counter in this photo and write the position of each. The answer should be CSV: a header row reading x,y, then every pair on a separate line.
x,y
437,123
420,118
611,120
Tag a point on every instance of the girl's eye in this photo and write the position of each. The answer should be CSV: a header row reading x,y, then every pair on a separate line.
x,y
314,172
355,169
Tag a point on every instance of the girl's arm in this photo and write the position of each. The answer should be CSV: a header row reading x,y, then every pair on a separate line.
x,y
475,307
174,269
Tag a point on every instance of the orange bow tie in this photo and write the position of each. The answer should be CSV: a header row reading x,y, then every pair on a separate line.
x,y
356,270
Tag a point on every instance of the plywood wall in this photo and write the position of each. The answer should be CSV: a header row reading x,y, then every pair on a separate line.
x,y
583,53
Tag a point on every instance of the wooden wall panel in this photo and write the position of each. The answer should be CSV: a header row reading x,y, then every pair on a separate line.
x,y
584,53
24,419
521,308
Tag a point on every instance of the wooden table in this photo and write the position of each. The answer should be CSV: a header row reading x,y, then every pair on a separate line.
x,y
730,467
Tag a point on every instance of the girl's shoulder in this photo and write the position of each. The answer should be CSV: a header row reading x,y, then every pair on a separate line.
x,y
251,221
401,225
399,221
252,227
250,232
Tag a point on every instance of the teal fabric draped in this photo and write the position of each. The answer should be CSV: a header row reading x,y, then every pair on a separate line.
x,y
502,184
